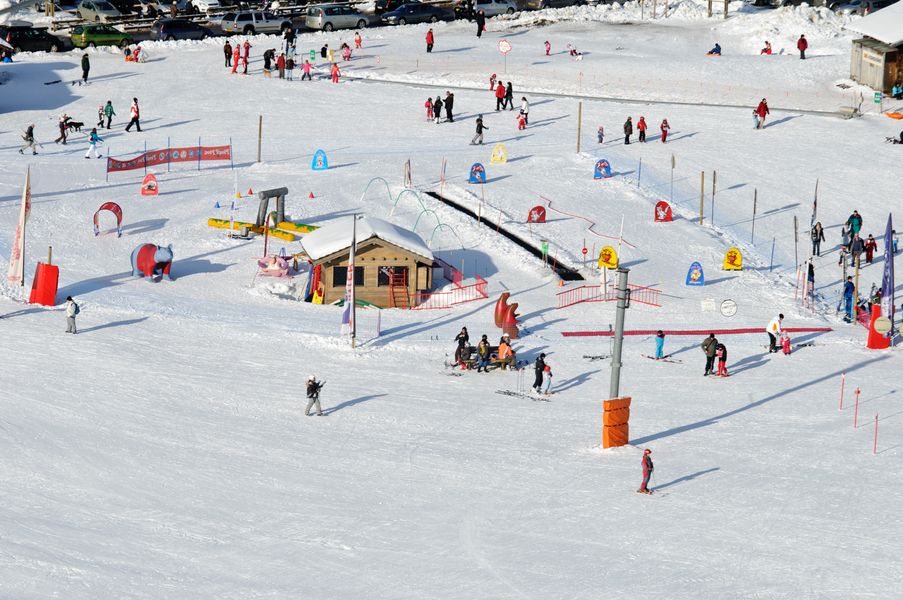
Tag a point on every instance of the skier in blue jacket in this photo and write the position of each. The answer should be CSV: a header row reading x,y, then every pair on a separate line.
x,y
848,289
93,140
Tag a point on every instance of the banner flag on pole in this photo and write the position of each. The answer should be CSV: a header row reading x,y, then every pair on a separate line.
x,y
887,284
348,313
16,274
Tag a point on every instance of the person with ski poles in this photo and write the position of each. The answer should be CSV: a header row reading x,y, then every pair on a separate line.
x,y
93,140
539,368
28,136
313,396
648,468
478,136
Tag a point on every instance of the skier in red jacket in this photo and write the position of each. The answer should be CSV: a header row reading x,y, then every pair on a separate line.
x,y
429,40
647,472
665,129
761,111
499,97
801,45
641,127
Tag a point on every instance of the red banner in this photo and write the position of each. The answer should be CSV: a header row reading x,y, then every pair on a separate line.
x,y
170,155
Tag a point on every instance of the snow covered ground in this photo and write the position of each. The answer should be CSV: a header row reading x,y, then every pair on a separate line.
x,y
163,452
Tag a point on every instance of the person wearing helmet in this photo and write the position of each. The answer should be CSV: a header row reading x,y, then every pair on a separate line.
x,y
313,396
539,368
647,472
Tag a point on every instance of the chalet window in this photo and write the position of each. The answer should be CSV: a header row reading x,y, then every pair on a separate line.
x,y
340,276
382,279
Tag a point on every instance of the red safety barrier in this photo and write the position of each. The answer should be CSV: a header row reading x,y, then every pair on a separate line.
x,y
458,295
737,331
593,293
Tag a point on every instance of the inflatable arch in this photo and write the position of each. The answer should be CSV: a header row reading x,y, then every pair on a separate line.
x,y
113,208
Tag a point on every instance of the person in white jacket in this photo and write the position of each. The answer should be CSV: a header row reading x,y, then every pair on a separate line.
x,y
71,310
774,331
525,109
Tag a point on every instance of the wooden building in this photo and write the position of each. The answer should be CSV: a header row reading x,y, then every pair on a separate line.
x,y
392,264
877,58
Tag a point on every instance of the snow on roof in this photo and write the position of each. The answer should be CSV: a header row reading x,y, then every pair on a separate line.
x,y
336,236
885,25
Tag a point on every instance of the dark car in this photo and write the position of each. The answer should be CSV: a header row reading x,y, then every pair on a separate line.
x,y
414,13
178,29
387,5
541,4
25,38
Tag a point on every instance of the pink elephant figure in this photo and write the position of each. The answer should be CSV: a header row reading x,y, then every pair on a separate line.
x,y
150,260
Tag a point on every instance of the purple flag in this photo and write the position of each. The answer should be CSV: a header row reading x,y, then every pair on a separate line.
x,y
887,285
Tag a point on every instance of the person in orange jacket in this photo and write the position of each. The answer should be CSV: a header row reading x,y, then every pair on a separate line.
x,y
499,97
648,468
334,71
802,44
429,41
641,127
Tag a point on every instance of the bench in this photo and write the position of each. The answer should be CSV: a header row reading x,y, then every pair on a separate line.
x,y
469,358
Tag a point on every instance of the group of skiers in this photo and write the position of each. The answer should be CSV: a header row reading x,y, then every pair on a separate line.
x,y
285,62
434,108
66,124
504,355
641,128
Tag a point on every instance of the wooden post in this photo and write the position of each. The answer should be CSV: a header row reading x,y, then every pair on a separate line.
x,y
856,288
259,135
654,7
666,9
725,8
710,9
755,198
642,10
875,445
843,378
579,123
701,195
49,255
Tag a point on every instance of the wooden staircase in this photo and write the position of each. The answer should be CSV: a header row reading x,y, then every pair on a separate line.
x,y
398,290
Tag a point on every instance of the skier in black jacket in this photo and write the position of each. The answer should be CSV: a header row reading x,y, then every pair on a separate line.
x,y
509,96
478,136
539,366
437,108
449,105
481,23
463,339
86,67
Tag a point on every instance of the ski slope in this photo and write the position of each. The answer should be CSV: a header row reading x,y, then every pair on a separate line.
x,y
163,452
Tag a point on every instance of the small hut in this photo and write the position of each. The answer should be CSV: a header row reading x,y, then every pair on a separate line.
x,y
392,264
877,58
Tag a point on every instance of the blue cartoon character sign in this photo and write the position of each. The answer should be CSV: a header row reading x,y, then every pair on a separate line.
x,y
695,275
477,173
603,169
319,162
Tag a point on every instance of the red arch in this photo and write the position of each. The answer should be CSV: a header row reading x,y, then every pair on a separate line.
x,y
113,208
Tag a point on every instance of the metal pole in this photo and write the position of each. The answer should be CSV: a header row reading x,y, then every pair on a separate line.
x,y
771,262
672,173
259,135
579,123
796,241
701,195
714,179
168,154
639,172
614,387
755,198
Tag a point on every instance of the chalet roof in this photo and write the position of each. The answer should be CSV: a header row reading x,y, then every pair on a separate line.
x,y
336,236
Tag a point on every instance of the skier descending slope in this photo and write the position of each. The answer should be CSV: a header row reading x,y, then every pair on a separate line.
x,y
647,472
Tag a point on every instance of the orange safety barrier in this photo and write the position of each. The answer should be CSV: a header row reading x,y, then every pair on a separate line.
x,y
614,422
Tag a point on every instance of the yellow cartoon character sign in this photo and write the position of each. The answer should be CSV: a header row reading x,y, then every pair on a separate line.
x,y
608,258
733,260
499,154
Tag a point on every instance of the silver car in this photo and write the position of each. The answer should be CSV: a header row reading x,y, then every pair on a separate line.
x,y
335,16
492,8
98,11
250,22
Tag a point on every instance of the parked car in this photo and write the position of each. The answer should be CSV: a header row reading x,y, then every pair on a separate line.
x,y
541,4
867,7
382,6
99,11
25,38
414,13
178,29
83,36
206,6
335,16
468,8
250,22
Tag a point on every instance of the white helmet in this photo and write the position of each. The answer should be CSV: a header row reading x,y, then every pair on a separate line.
x,y
311,378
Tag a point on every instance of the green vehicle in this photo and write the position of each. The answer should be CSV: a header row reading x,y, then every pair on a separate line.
x,y
98,35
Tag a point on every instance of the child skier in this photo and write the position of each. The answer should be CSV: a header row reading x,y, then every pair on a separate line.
x,y
236,57
659,345
492,79
357,40
305,70
246,57
93,140
665,127
521,121
785,343
335,73
72,310
437,109
289,67
721,353
346,52
478,137
109,113
100,115
429,109
548,47
313,396
601,134
648,468
547,371
641,127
